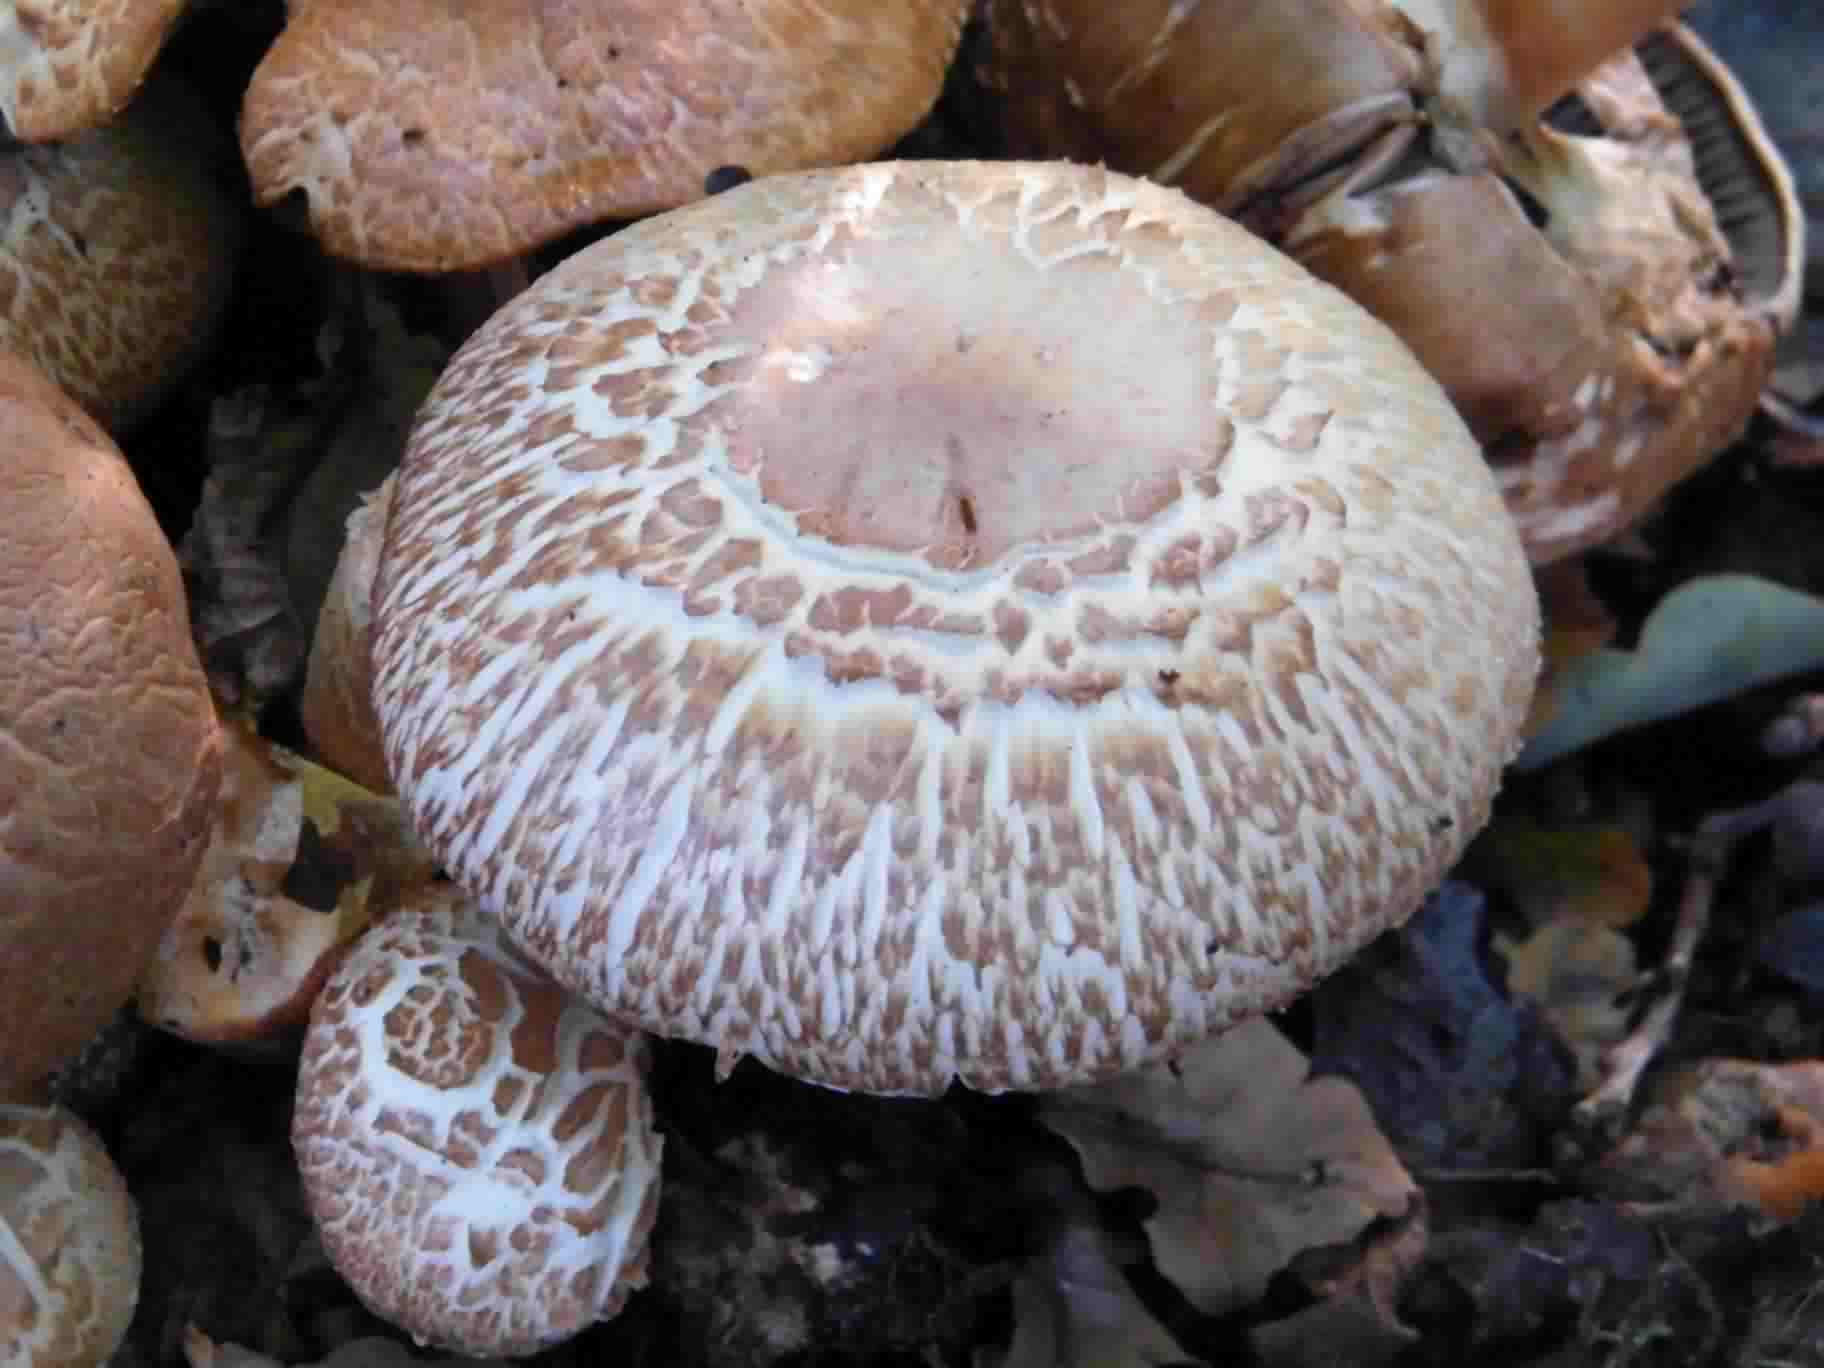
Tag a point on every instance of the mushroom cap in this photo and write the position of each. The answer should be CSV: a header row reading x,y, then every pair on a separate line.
x,y
70,1259
997,621
432,135
337,706
69,65
118,251
476,1146
112,753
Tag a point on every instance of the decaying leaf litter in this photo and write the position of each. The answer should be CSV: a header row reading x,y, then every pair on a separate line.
x,y
1572,1113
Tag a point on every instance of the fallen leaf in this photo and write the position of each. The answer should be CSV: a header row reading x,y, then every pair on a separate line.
x,y
1252,1160
1073,1308
1733,1132
1578,973
1459,1075
1591,874
1709,639
372,1351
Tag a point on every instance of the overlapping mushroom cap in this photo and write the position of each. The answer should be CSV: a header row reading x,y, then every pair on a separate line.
x,y
110,755
68,65
428,135
118,251
919,621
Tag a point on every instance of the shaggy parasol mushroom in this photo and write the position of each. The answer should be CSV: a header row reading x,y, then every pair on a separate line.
x,y
476,1146
111,754
69,1242
119,250
944,620
69,65
428,135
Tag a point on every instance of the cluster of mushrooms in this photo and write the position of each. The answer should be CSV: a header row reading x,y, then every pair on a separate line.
x,y
904,622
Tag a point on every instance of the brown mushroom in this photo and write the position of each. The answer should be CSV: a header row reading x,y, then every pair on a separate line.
x,y
428,135
69,1242
1583,303
70,65
119,250
476,1146
997,621
109,750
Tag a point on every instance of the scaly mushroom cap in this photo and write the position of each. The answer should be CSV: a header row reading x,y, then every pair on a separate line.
x,y
1605,345
118,252
69,65
476,1146
997,621
69,1242
111,754
429,135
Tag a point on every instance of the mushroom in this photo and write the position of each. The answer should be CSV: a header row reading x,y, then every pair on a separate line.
x,y
67,67
477,1147
119,250
69,1242
920,621
112,754
337,706
1616,287
1260,107
300,862
430,135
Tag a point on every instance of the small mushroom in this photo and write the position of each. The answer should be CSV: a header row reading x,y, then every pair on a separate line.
x,y
997,621
430,135
118,251
67,66
300,863
111,755
69,1242
476,1146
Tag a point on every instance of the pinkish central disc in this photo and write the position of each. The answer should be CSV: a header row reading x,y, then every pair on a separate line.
x,y
968,413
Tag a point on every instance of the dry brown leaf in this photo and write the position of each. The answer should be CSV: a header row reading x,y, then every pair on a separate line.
x,y
1578,973
1731,1131
1073,1308
372,1351
1252,1161
1588,873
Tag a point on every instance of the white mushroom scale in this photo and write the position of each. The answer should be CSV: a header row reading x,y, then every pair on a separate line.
x,y
932,621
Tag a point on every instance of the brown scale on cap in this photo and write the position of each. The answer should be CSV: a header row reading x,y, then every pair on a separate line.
x,y
428,135
68,65
918,621
118,252
476,1146
110,754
